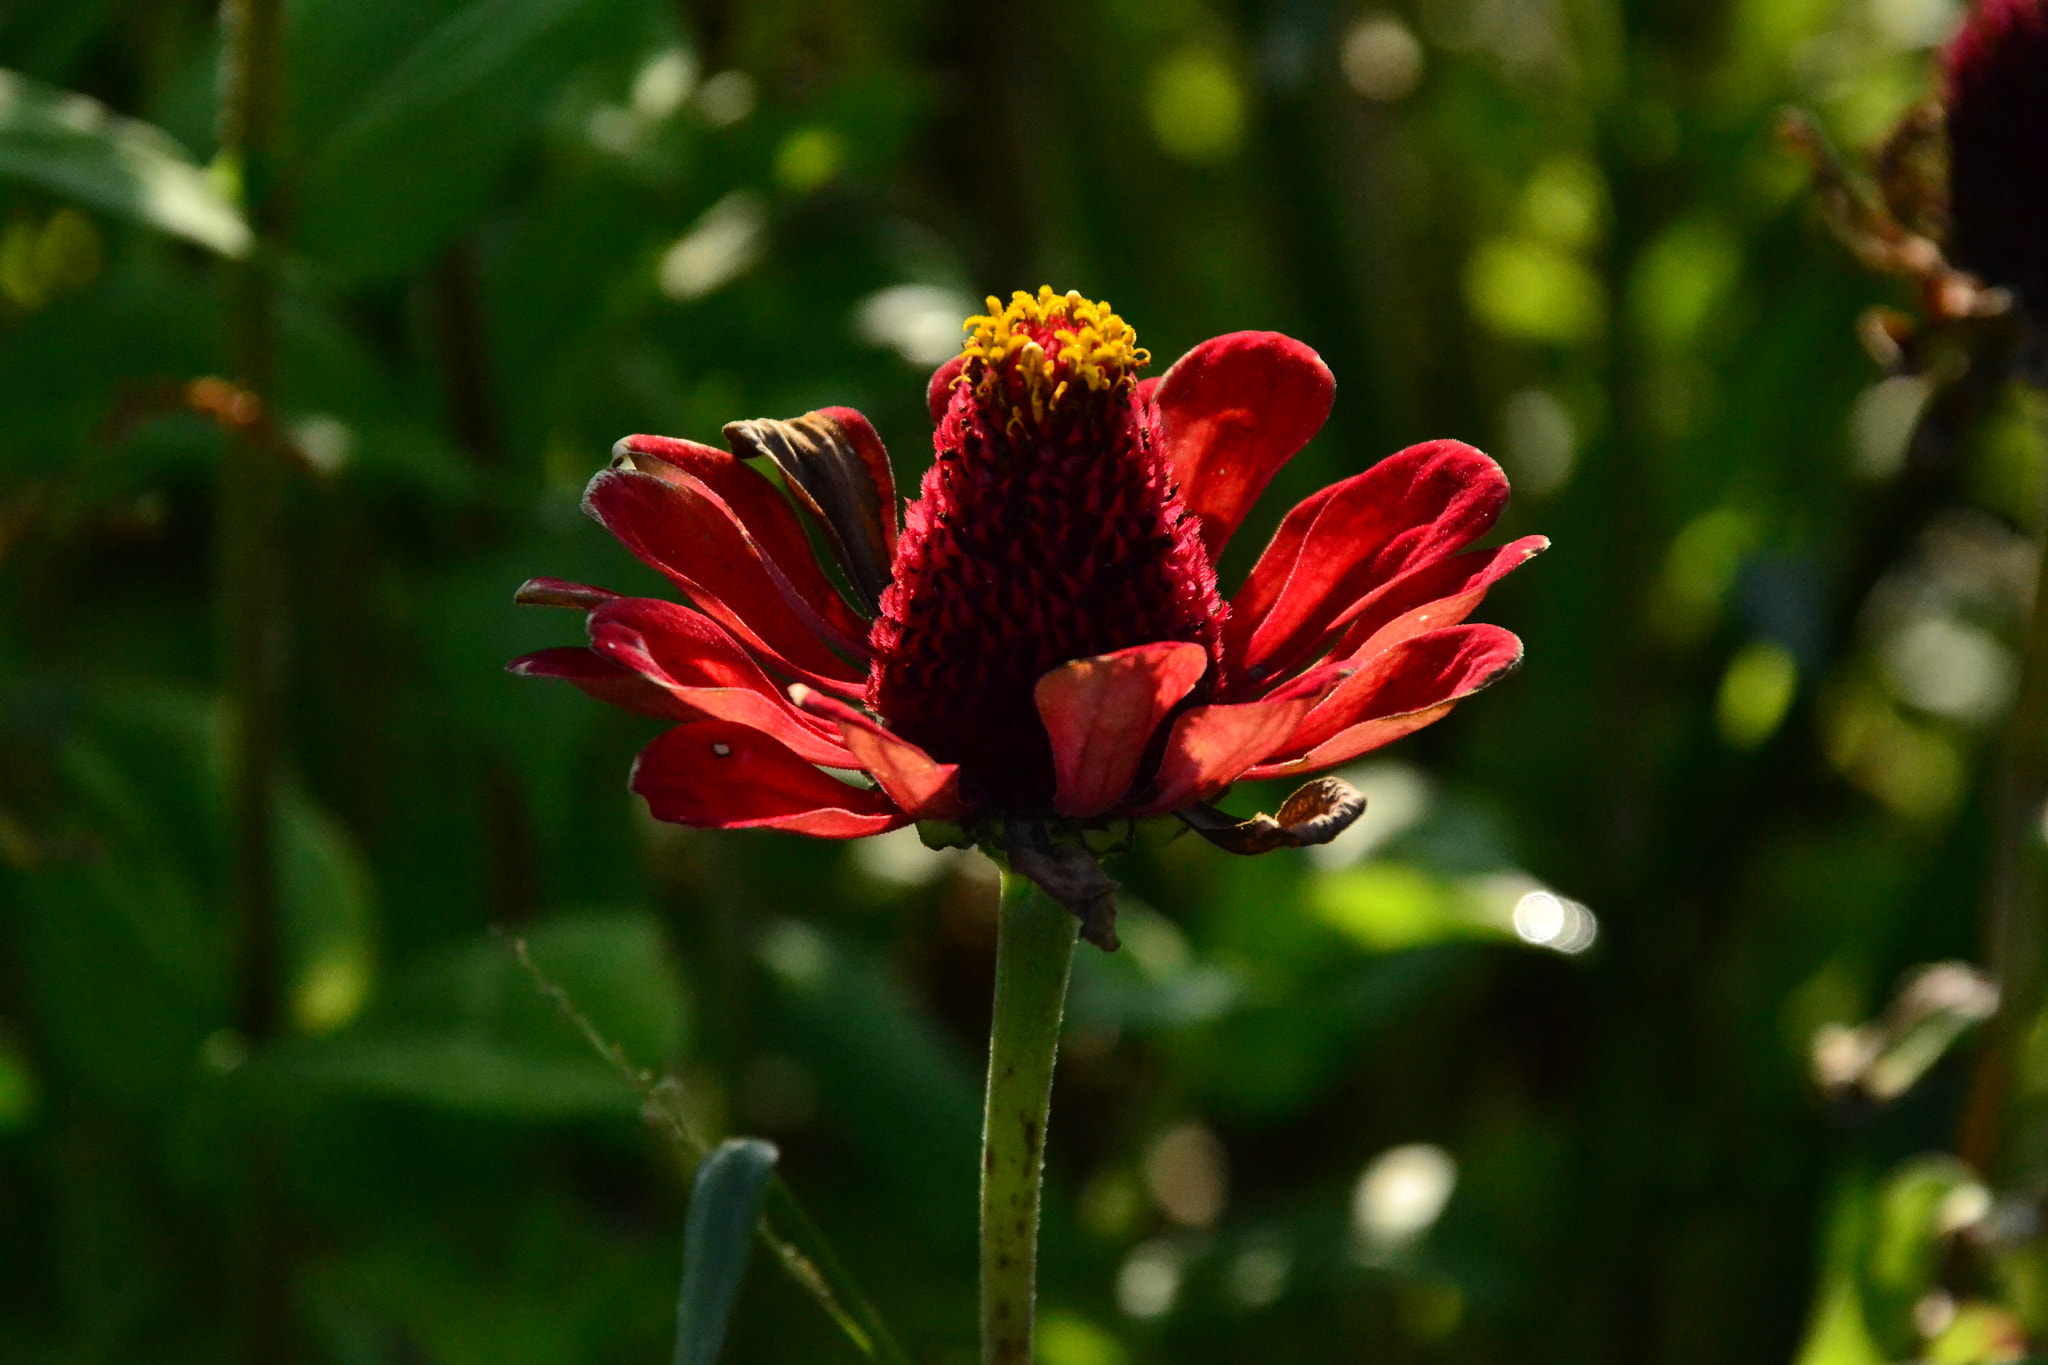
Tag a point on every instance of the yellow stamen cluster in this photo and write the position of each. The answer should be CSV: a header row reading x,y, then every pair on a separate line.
x,y
1088,343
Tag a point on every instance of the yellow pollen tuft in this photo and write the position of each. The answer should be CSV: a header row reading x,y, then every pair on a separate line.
x,y
1037,351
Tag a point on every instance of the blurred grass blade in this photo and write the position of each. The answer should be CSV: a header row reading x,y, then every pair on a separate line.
x,y
468,50
76,146
811,1262
420,156
725,1204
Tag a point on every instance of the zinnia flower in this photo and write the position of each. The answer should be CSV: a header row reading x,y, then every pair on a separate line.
x,y
1995,94
1041,649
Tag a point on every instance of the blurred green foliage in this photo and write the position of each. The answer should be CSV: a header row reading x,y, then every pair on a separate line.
x,y
1580,947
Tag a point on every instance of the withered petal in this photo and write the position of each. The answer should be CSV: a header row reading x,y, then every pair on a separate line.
x,y
1316,813
1070,875
559,592
836,467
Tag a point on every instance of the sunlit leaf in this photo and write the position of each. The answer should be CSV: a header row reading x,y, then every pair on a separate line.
x,y
73,145
329,904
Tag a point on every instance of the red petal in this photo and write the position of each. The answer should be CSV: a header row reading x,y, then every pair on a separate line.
x,y
1211,747
603,679
1438,595
938,394
1231,412
763,514
1406,512
559,592
1395,693
1101,713
706,672
923,787
686,532
714,774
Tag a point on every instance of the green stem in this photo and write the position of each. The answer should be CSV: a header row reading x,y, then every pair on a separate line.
x,y
1034,953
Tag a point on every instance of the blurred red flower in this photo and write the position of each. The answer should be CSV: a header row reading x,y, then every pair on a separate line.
x,y
1995,98
1041,647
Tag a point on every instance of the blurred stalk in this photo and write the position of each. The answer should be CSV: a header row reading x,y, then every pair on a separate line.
x,y
2012,900
1034,954
251,96
465,356
249,494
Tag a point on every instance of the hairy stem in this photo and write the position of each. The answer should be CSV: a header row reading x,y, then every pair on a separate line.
x,y
1034,953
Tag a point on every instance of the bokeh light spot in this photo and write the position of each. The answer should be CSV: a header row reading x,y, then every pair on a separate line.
x,y
1197,107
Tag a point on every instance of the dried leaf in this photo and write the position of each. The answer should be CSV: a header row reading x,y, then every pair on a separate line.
x,y
1316,813
1070,875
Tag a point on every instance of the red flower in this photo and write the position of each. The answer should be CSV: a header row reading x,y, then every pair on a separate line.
x,y
1042,647
1995,98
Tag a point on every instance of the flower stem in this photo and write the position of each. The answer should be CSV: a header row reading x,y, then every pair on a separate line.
x,y
1034,953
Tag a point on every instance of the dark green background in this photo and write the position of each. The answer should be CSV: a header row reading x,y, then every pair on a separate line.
x,y
1574,242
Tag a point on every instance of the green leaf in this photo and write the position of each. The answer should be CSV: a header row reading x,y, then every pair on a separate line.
x,y
468,1031
725,1205
76,146
421,154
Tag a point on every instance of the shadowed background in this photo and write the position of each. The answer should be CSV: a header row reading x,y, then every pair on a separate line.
x,y
1518,1071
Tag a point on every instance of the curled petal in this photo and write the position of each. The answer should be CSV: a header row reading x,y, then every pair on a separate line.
x,y
1101,712
706,672
1408,511
836,467
1316,813
1395,693
938,394
752,501
924,788
684,530
599,677
765,519
1231,412
559,592
714,774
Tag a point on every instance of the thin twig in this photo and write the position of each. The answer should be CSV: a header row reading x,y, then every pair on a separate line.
x,y
803,1252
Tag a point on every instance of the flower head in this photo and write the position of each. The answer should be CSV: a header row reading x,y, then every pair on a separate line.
x,y
1040,649
1049,530
1995,96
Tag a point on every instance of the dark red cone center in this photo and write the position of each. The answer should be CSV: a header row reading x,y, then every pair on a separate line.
x,y
1047,530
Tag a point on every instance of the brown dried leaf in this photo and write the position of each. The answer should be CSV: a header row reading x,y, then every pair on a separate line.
x,y
1070,875
1316,813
